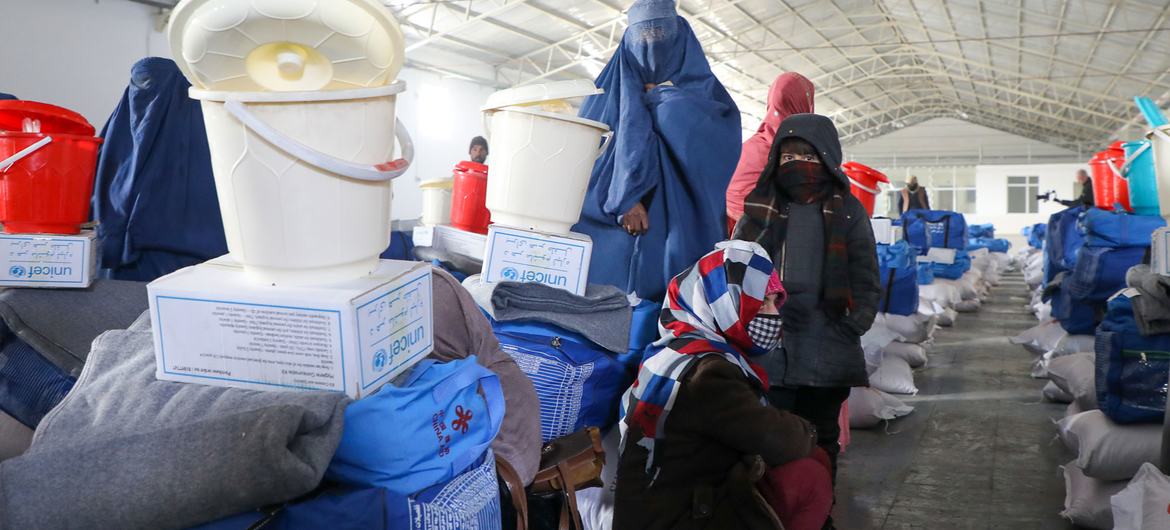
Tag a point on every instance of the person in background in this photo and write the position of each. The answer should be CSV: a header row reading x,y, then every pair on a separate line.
x,y
478,151
697,435
913,197
1086,198
791,93
821,242
655,201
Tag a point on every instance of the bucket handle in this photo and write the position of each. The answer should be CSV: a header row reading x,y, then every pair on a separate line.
x,y
12,160
871,191
1129,161
1160,133
1117,170
376,173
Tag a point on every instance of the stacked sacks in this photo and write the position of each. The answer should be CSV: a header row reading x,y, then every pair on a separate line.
x,y
1119,399
891,345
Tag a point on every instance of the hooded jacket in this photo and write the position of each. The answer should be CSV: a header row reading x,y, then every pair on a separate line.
x,y
821,351
791,93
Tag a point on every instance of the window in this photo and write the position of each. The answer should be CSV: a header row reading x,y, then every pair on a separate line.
x,y
950,188
1022,192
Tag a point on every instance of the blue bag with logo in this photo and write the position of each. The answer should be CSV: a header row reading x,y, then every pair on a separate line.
x,y
470,501
579,383
1114,230
928,229
1100,272
424,431
1131,369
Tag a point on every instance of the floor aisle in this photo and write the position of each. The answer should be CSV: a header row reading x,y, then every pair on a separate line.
x,y
978,452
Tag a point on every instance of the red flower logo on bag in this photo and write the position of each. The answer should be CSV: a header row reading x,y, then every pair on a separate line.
x,y
463,418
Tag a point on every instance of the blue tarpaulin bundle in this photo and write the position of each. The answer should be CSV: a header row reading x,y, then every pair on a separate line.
x,y
984,231
1036,234
154,195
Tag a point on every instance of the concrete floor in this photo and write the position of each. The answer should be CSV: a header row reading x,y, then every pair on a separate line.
x,y
979,451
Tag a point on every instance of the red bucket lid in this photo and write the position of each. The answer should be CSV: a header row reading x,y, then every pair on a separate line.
x,y
859,171
54,119
469,166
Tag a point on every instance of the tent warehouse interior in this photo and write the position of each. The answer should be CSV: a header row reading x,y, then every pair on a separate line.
x,y
527,264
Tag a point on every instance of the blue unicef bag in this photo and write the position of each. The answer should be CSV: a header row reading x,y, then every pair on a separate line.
x,y
898,269
1100,272
1110,229
424,431
579,383
1131,369
1036,234
927,229
925,273
470,501
1062,243
984,231
1076,317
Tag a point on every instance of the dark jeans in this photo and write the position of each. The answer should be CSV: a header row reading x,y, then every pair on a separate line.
x,y
821,407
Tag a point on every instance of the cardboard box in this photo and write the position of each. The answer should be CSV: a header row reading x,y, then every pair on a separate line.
x,y
945,256
451,239
1160,253
215,327
884,231
517,255
33,260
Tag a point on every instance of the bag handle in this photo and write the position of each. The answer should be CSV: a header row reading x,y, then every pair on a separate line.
x,y
375,173
467,375
12,160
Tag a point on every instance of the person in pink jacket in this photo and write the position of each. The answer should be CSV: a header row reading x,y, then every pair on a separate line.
x,y
791,93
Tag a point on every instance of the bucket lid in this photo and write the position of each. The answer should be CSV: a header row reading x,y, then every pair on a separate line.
x,y
286,45
436,184
857,169
557,116
53,119
533,94
468,165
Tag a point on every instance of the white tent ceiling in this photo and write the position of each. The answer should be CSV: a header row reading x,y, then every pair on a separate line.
x,y
1057,71
1061,72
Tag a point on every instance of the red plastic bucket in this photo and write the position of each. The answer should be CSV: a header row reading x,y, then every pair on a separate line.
x,y
864,183
469,198
46,177
1115,161
1104,179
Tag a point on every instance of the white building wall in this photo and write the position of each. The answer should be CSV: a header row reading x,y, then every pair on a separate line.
x,y
992,201
77,54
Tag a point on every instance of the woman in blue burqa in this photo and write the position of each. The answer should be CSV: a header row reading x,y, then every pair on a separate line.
x,y
656,198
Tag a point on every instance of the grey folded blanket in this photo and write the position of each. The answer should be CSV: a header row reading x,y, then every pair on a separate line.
x,y
602,315
61,324
1152,308
124,450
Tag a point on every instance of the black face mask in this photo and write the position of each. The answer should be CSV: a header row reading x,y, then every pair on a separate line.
x,y
804,182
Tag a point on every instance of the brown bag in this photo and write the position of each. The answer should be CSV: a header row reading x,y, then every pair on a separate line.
x,y
569,464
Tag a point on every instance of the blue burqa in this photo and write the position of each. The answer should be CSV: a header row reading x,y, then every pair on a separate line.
x,y
674,149
154,195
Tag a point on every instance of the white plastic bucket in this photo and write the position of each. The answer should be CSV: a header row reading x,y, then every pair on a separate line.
x,y
304,179
541,162
436,202
1160,143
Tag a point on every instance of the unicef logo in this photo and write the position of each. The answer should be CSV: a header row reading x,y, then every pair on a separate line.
x,y
380,360
16,271
510,274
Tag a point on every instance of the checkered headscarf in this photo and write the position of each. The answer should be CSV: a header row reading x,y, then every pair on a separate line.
x,y
707,310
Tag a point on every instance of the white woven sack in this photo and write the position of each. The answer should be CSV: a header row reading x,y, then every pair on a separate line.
x,y
1145,503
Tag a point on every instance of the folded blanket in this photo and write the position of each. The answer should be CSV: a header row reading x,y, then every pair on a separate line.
x,y
125,450
602,315
60,324
1152,308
